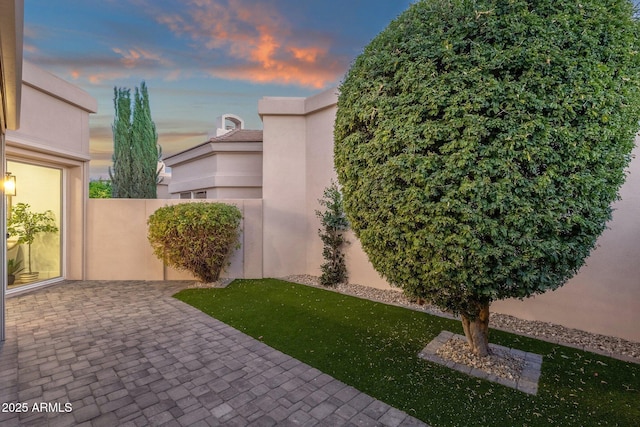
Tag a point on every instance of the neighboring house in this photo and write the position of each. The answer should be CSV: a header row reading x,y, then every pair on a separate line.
x,y
227,166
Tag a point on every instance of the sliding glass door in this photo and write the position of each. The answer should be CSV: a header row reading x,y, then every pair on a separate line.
x,y
34,220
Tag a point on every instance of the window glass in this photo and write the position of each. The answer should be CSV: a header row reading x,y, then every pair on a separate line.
x,y
37,255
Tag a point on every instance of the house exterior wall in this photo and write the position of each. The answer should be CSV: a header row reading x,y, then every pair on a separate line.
x,y
118,247
223,170
54,110
604,297
11,36
54,132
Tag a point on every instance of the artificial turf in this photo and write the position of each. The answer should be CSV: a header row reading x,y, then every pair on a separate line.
x,y
373,347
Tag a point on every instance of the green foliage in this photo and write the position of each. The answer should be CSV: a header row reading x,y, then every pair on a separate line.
x,y
136,151
196,237
373,347
100,189
27,225
122,173
334,223
14,267
480,144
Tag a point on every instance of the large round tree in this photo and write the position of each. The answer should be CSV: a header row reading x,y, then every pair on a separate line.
x,y
481,143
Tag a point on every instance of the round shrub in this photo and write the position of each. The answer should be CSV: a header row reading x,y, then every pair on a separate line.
x,y
196,237
480,144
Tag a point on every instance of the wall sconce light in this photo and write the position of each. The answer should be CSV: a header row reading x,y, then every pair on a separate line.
x,y
10,185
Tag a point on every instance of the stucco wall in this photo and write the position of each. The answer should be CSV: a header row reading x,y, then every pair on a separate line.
x,y
284,188
55,115
298,164
604,297
297,167
223,170
118,249
54,132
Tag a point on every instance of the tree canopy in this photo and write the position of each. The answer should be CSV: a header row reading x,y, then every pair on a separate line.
x,y
136,150
480,144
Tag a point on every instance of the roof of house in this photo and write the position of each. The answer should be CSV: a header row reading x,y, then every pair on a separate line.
x,y
237,140
239,135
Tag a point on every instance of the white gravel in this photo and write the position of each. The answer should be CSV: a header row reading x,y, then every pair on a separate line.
x,y
602,344
499,362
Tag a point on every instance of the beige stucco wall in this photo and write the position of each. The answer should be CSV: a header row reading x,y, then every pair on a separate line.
x,y
284,187
118,249
54,132
604,297
224,170
55,115
298,164
297,167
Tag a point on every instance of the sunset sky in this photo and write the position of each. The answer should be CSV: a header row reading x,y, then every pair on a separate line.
x,y
199,58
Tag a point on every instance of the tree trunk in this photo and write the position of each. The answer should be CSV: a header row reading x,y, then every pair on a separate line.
x,y
476,329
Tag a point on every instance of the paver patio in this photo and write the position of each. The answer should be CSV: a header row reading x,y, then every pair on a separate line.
x,y
103,353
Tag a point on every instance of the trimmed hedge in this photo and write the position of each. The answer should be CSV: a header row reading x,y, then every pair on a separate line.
x,y
196,237
480,144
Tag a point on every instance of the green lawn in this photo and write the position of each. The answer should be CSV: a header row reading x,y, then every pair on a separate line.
x,y
374,346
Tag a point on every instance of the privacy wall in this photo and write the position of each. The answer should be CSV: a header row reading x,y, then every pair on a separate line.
x,y
298,164
118,248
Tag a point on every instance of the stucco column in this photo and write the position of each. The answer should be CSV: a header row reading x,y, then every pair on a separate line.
x,y
283,186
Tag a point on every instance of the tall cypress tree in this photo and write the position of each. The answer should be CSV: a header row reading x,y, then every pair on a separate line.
x,y
136,152
145,147
121,174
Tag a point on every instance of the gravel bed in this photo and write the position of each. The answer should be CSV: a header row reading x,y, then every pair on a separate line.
x,y
602,344
499,362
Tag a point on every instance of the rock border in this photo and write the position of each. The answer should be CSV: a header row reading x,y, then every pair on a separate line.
x,y
529,377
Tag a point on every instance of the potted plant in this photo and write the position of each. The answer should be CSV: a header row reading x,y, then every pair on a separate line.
x,y
13,267
26,225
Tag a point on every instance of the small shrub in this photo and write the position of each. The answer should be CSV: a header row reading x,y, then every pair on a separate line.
x,y
334,223
100,189
196,237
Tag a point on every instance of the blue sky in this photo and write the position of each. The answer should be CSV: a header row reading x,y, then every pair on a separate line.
x,y
199,58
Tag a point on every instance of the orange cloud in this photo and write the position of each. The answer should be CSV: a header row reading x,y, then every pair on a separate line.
x,y
96,78
258,39
309,54
280,74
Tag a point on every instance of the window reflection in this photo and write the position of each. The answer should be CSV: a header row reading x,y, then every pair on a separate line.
x,y
35,217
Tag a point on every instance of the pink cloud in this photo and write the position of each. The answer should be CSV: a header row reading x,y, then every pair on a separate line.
x,y
95,77
135,57
258,39
131,58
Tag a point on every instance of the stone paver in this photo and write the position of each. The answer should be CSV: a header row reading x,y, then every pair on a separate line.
x,y
527,383
102,353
